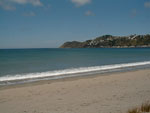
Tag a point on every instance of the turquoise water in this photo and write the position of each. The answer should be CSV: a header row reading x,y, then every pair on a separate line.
x,y
22,62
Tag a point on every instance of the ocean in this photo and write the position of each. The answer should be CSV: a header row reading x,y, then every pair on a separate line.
x,y
28,65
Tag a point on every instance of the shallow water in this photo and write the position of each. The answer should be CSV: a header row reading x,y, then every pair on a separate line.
x,y
16,64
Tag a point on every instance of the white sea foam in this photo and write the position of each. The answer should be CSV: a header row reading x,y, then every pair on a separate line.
x,y
70,71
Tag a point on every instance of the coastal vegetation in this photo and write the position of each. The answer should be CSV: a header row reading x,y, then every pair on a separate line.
x,y
144,108
108,41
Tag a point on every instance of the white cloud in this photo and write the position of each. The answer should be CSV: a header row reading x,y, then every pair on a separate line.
x,y
7,6
31,13
89,13
10,4
80,2
33,2
147,4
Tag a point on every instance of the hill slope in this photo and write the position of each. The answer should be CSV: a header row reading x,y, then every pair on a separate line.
x,y
111,41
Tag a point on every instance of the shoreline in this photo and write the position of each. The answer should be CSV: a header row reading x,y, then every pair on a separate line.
x,y
111,92
73,72
109,47
69,78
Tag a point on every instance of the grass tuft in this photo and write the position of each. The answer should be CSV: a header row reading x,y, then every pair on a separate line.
x,y
145,107
135,110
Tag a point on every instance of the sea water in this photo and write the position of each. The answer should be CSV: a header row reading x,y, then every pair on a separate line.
x,y
24,65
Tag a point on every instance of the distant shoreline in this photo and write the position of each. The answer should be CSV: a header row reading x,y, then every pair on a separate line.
x,y
145,46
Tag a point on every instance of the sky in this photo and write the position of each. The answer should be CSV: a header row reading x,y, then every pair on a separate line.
x,y
50,23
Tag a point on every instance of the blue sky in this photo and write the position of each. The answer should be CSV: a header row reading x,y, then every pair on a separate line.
x,y
49,23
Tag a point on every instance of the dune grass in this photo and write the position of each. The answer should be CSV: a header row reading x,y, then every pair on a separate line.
x,y
144,108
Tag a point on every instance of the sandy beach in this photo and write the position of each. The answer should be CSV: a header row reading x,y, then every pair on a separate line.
x,y
111,93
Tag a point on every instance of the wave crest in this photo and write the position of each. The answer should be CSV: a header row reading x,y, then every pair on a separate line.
x,y
70,71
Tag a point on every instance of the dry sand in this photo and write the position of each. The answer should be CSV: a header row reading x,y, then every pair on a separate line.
x,y
115,93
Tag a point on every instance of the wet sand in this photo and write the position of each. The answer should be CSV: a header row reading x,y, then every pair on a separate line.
x,y
111,93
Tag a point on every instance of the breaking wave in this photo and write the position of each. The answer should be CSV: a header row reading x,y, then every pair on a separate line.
x,y
71,71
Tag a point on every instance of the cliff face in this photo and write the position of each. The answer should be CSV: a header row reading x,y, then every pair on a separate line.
x,y
111,41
